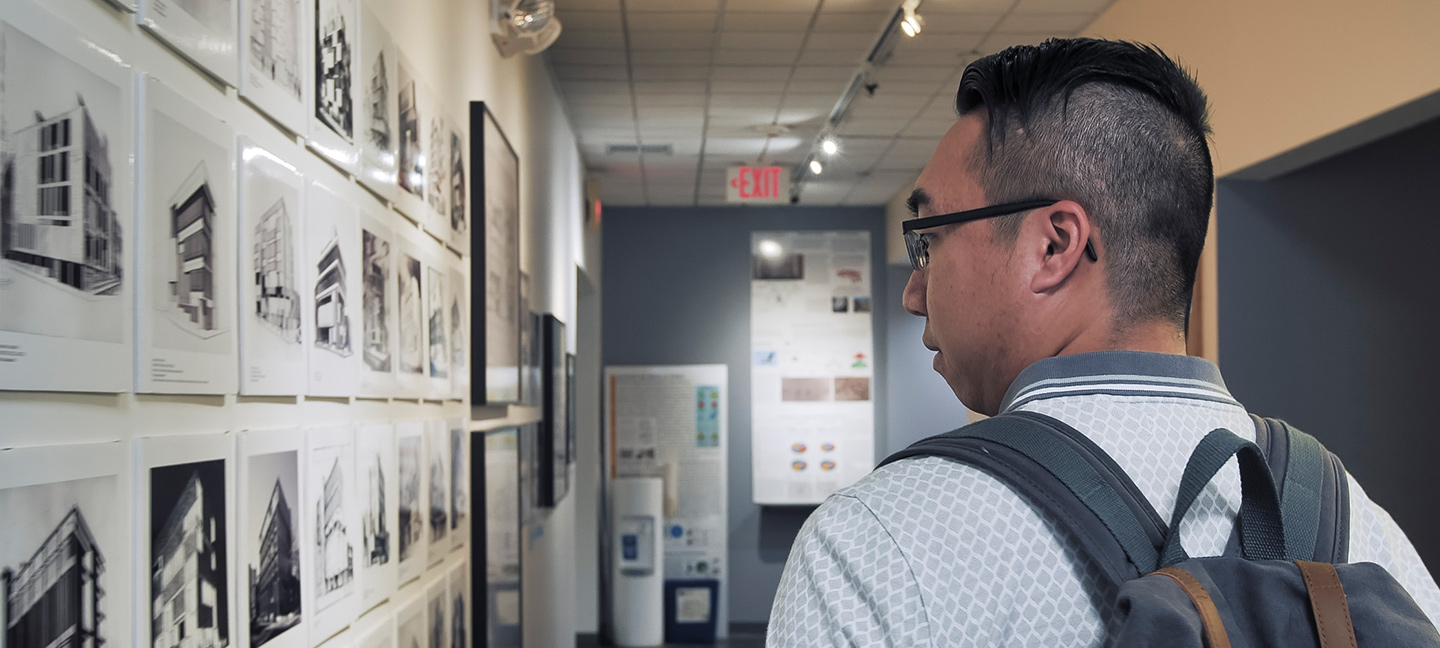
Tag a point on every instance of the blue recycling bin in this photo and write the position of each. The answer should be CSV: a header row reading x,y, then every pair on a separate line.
x,y
691,607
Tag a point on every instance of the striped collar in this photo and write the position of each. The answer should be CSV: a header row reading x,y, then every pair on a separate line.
x,y
1119,373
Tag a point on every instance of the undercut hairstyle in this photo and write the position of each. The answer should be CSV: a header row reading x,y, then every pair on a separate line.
x,y
1119,128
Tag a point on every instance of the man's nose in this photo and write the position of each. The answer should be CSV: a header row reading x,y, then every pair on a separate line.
x,y
914,296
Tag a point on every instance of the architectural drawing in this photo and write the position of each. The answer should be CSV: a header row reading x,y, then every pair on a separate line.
x,y
412,318
334,557
53,599
373,527
459,481
192,233
379,132
457,184
56,216
438,189
439,503
188,592
376,256
277,303
437,632
411,515
332,323
439,351
275,584
458,334
333,49
275,43
412,159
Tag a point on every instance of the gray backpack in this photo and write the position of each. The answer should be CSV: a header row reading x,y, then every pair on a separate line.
x,y
1284,579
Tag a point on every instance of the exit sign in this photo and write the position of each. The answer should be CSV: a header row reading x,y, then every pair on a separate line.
x,y
763,185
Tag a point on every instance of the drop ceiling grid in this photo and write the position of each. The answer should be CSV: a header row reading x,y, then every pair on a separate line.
x,y
700,75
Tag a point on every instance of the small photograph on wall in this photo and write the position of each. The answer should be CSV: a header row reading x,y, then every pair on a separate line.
x,y
332,252
459,483
272,73
189,554
410,146
436,300
410,628
460,616
272,272
375,470
377,128
186,318
331,511
270,539
73,545
411,529
437,467
459,192
379,306
458,311
413,349
203,31
496,378
332,121
66,231
437,176
381,635
554,478
502,490
437,606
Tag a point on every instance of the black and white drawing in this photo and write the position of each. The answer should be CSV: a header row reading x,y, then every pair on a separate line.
x,y
379,134
334,54
437,190
437,300
272,360
333,245
65,227
459,483
189,587
332,323
499,265
277,302
331,511
460,615
271,531
437,608
375,468
437,445
412,325
376,252
410,624
188,269
411,541
459,219
382,635
412,154
203,31
459,311
272,78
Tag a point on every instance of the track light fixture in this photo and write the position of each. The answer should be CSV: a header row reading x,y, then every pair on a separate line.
x,y
912,22
815,167
829,146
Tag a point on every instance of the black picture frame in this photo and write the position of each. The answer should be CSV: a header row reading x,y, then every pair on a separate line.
x,y
571,413
492,578
485,167
553,451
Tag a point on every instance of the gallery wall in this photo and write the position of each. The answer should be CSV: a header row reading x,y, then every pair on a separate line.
x,y
676,288
444,41
1326,310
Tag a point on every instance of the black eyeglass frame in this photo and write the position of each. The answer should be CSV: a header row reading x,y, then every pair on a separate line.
x,y
919,251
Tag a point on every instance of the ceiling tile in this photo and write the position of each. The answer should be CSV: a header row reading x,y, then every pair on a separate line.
x,y
755,57
586,5
731,39
998,42
847,41
1059,6
591,73
671,5
598,20
872,127
827,57
666,112
576,37
747,87
720,103
953,23
659,99
613,88
650,40
934,74
767,22
966,6
1061,24
907,58
670,124
942,42
752,73
670,57
767,6
670,87
565,56
824,73
832,88
873,21
860,5
671,21
734,146
886,89
821,102
677,73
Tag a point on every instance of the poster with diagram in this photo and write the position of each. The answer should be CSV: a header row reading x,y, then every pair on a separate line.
x,y
186,303
812,364
333,286
377,493
66,228
334,32
377,128
379,306
499,265
272,271
332,534
273,58
203,31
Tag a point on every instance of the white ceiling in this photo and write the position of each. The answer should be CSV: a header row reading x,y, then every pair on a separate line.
x,y
702,75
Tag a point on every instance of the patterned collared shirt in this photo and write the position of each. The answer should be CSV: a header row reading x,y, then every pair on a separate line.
x,y
931,552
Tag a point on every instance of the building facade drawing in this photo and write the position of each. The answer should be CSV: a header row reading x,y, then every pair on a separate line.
x,y
457,184
457,336
410,514
333,104
275,586
412,159
457,623
459,498
412,318
192,232
335,558
438,190
439,516
56,215
332,324
53,599
379,107
376,253
277,303
439,351
275,42
187,575
377,535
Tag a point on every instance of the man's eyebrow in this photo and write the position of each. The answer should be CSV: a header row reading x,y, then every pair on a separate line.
x,y
918,198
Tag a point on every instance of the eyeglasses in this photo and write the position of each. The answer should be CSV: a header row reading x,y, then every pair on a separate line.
x,y
918,245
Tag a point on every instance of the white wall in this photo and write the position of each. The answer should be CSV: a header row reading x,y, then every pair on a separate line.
x,y
447,40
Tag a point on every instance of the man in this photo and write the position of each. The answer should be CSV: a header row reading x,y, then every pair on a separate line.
x,y
1069,297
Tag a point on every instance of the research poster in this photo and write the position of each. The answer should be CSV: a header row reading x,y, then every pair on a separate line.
x,y
812,415
670,421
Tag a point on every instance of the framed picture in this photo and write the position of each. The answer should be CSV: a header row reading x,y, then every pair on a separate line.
x,y
411,543
376,495
495,263
272,61
379,327
437,469
496,552
271,527
332,246
203,31
332,116
553,453
272,320
570,410
378,135
331,532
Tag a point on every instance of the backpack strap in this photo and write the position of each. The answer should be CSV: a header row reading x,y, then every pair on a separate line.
x,y
1314,493
1062,472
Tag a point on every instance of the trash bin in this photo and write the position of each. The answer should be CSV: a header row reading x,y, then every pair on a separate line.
x,y
691,606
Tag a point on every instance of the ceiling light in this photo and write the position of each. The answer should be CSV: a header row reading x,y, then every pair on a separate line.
x,y
912,22
908,28
829,146
815,167
770,249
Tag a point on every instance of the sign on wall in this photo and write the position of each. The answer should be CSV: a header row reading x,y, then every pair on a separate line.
x,y
812,411
757,185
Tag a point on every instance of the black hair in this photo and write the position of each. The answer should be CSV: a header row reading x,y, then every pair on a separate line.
x,y
1121,129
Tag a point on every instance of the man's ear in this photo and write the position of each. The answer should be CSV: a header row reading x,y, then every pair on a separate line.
x,y
1061,232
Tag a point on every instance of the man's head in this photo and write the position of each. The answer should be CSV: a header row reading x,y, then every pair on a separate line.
x,y
1114,133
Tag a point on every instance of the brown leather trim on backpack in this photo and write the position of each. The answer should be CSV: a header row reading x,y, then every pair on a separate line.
x,y
1210,621
1327,600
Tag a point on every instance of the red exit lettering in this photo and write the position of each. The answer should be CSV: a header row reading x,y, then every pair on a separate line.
x,y
761,182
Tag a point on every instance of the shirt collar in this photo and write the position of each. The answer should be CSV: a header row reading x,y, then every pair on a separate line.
x,y
1121,373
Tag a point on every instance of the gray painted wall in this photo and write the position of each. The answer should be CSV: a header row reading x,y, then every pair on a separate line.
x,y
677,291
1328,287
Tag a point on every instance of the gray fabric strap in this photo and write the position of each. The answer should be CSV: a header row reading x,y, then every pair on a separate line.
x,y
1304,484
1262,533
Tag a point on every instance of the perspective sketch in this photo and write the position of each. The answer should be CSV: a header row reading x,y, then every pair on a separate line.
x,y
435,607
332,324
439,351
412,159
459,483
189,593
459,594
274,562
439,480
438,191
458,334
277,303
373,528
274,46
410,626
334,555
54,598
457,184
412,517
412,317
333,51
192,234
379,134
376,257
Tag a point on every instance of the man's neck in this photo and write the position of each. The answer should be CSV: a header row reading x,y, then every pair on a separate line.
x,y
1153,337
